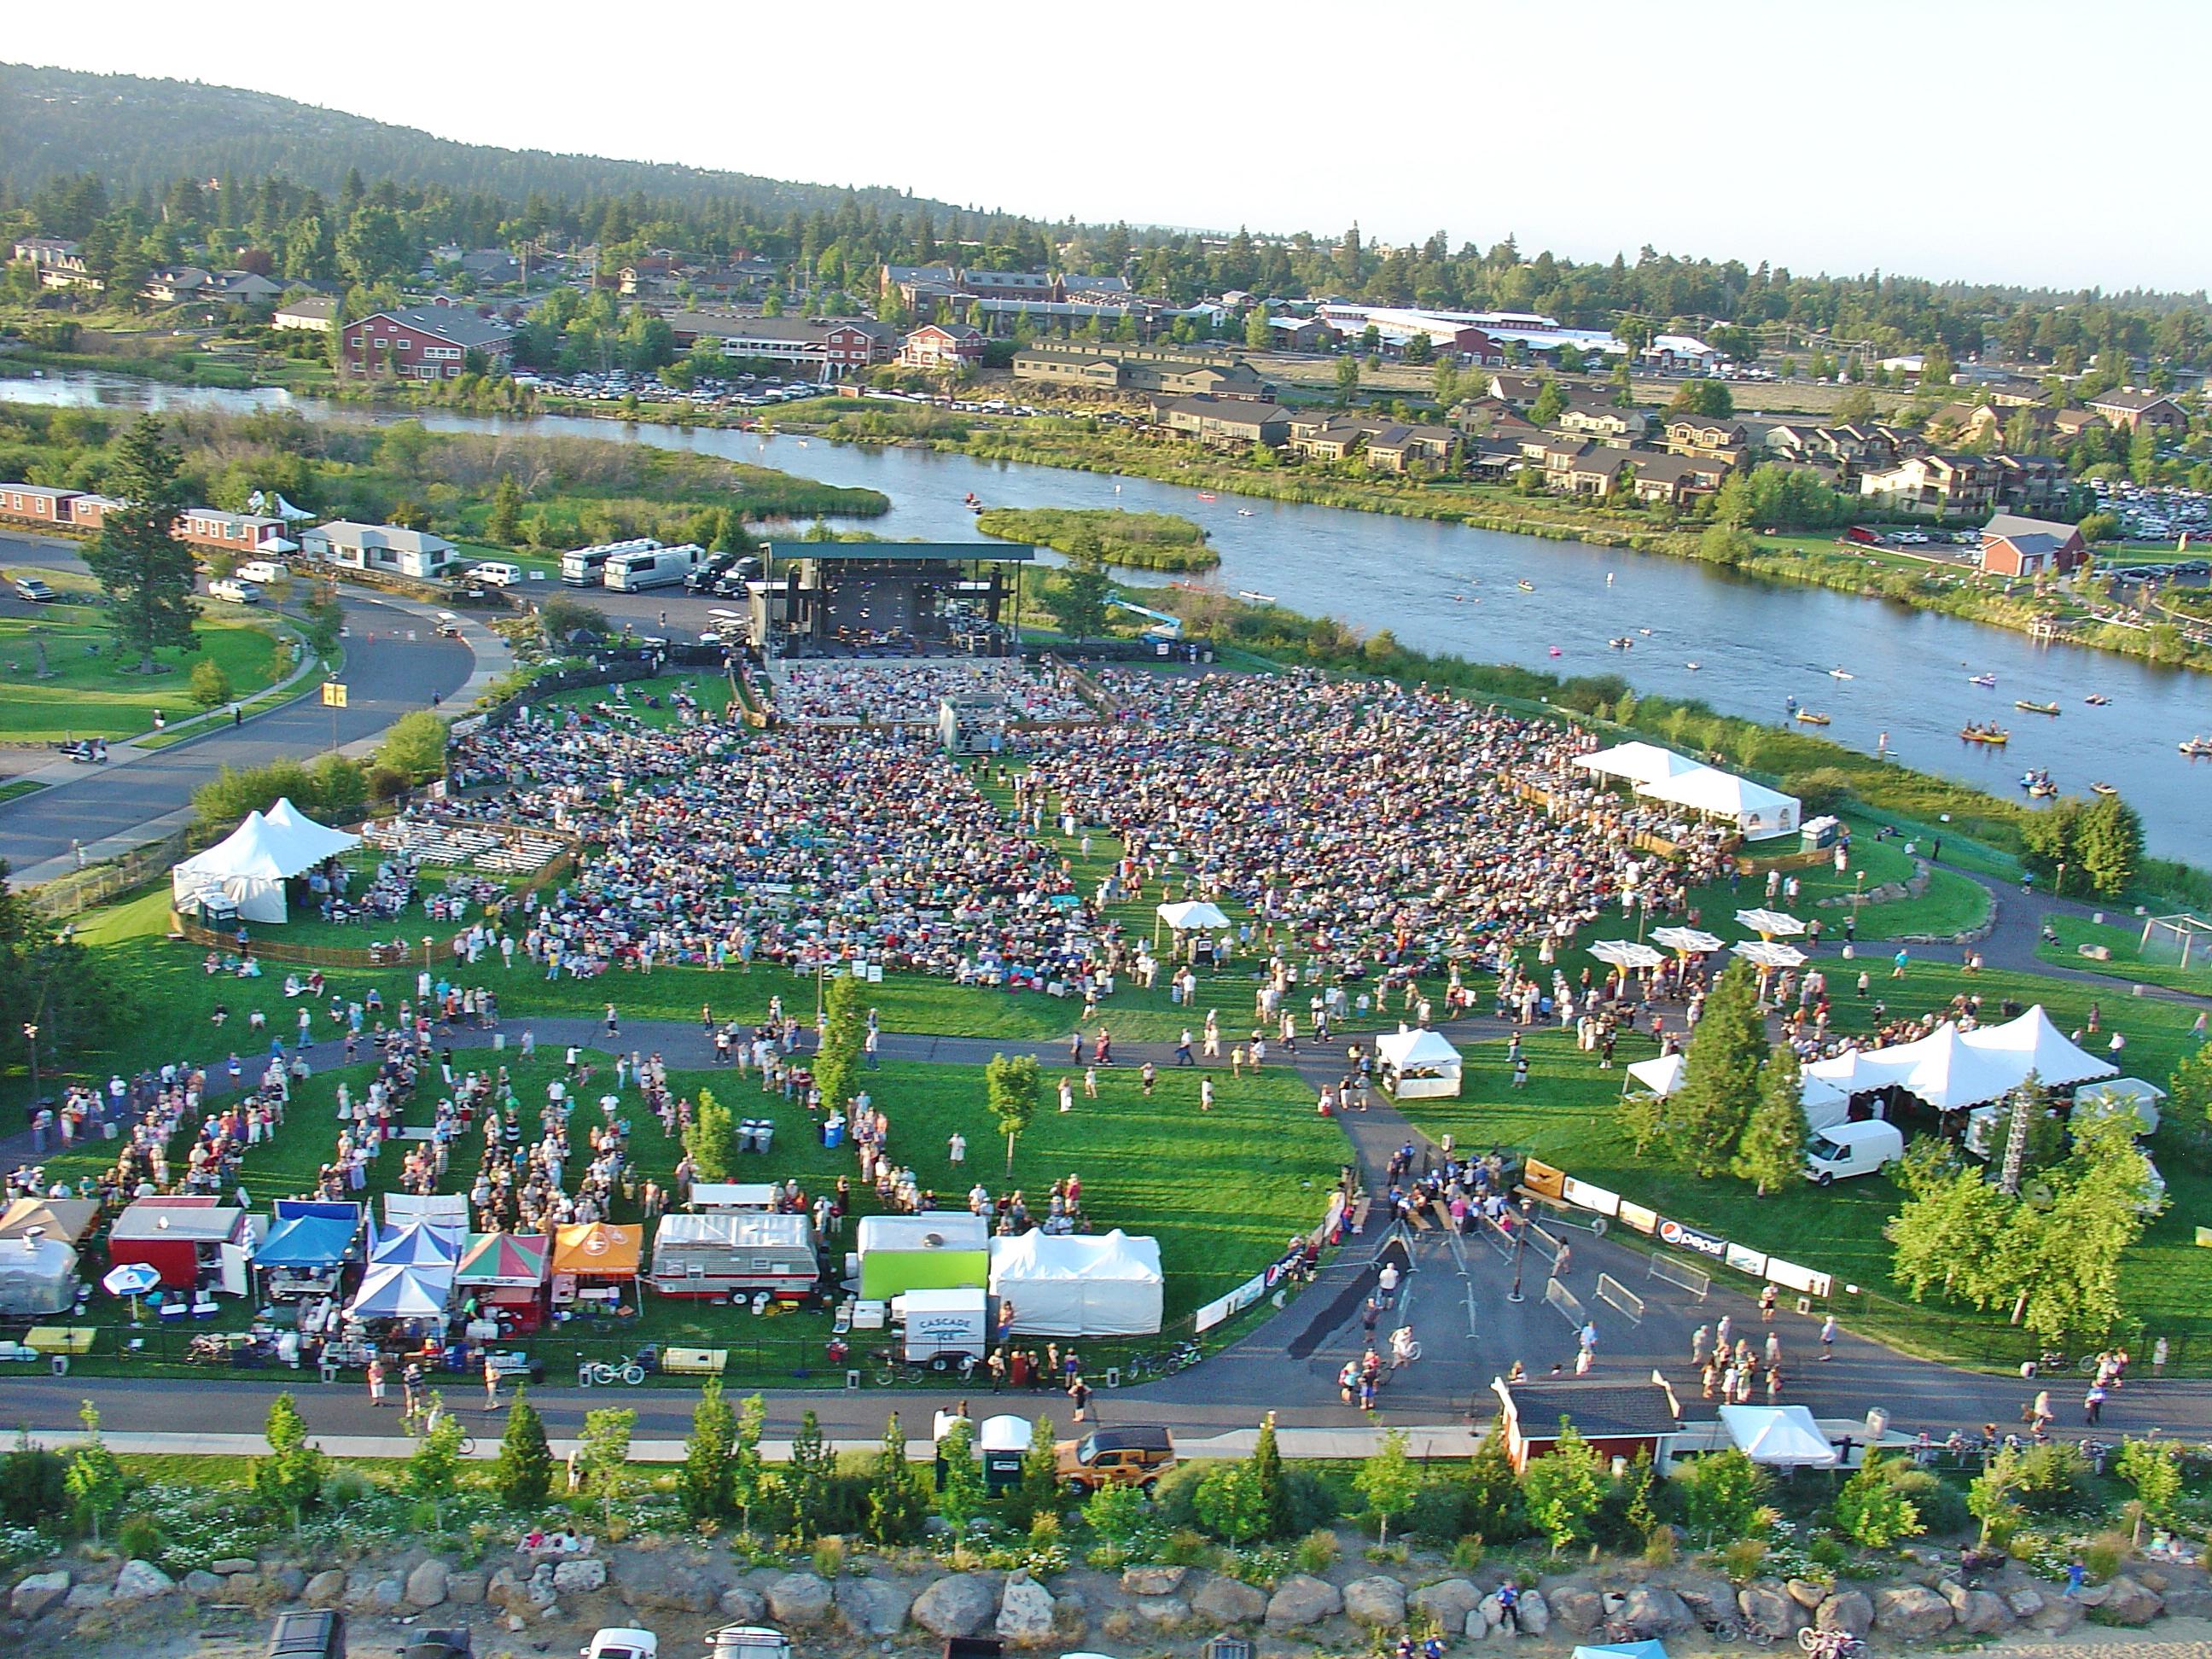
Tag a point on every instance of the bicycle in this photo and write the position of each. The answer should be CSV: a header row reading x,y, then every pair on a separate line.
x,y
1831,1644
629,1370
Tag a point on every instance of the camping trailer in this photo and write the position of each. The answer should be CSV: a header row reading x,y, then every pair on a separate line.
x,y
735,1253
38,1277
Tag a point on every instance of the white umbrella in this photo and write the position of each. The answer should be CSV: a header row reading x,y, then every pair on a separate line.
x,y
1769,924
1627,953
1768,955
1689,941
133,1279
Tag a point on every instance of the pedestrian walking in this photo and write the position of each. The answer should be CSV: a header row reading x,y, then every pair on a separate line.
x,y
1562,1262
1698,1339
2093,1405
491,1383
1766,1299
1387,1282
2159,1349
376,1382
1827,1338
1078,1394
614,1024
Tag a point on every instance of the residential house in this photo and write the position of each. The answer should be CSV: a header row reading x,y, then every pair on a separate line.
x,y
2072,422
1138,368
1097,290
1490,459
174,284
1411,448
46,253
1225,422
1618,1420
833,346
646,276
245,287
1329,440
918,287
2127,409
423,343
1300,333
1049,367
1575,467
1968,422
61,265
2032,483
491,266
1012,285
1934,486
310,313
1515,391
245,533
38,503
1602,422
385,547
1703,435
1678,479
1677,353
937,346
2015,546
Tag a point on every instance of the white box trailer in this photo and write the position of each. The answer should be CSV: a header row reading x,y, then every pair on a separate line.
x,y
735,1253
942,1328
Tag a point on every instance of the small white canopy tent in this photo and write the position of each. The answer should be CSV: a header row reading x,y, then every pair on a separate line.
x,y
1193,913
1661,1075
1638,762
301,836
244,869
1778,1437
1419,1065
2123,1094
1824,1102
1079,1284
1760,813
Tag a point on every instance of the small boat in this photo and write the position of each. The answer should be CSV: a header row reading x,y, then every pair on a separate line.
x,y
969,500
2196,748
2096,700
1555,651
1841,674
1985,734
1206,494
2042,790
1983,680
2026,707
1525,586
1243,512
1811,719
2102,789
1693,666
1256,597
1620,644
1645,632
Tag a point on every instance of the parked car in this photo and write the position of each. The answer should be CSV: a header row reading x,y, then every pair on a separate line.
x,y
1114,1457
234,590
260,571
495,573
31,589
622,1642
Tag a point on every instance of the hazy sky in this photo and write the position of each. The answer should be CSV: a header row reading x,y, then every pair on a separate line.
x,y
1941,138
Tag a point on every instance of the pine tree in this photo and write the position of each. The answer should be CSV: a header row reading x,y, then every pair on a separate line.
x,y
1268,1464
291,1477
1721,1078
1771,1153
1037,1491
961,1499
523,1476
703,1483
145,571
748,1470
813,1465
897,1501
503,524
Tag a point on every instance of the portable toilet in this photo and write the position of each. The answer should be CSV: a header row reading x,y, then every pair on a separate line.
x,y
1003,1441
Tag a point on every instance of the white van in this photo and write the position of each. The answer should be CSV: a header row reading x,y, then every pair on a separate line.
x,y
238,592
1852,1149
260,571
495,573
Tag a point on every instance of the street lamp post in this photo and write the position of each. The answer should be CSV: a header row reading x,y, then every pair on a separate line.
x,y
31,1036
1519,1249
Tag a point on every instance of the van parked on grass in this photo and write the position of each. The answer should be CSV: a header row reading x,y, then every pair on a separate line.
x,y
1851,1149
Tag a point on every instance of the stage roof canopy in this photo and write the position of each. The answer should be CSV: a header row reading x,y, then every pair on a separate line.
x,y
834,552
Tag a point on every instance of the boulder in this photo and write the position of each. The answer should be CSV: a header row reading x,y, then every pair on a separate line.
x,y
1772,1609
1376,1601
1977,1612
1578,1606
386,1595
1153,1580
429,1584
1535,1614
960,1605
326,1589
1025,1612
2128,1602
1162,1612
1448,1602
1910,1611
581,1576
2060,1615
465,1589
1806,1594
287,1580
2024,1602
1489,1613
799,1598
200,1584
1653,1612
742,1606
41,1590
231,1565
142,1581
660,1581
1302,1600
871,1608
1848,1610
1224,1601
1071,1615
83,1596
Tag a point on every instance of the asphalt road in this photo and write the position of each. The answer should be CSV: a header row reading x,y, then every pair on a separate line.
x,y
394,664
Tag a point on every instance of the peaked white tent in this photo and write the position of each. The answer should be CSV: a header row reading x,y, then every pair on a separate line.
x,y
1638,762
2032,1044
403,1290
1661,1074
244,869
1077,1285
1760,813
1951,1069
301,836
1193,913
1778,1437
1419,1065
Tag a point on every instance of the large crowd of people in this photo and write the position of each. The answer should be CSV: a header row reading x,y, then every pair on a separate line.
x,y
851,693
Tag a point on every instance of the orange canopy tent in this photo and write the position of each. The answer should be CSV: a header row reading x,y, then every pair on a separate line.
x,y
595,1254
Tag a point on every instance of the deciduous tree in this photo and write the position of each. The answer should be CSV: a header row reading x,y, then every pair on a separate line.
x,y
1564,1488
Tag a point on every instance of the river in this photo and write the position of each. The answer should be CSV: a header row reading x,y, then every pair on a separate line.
x,y
1448,588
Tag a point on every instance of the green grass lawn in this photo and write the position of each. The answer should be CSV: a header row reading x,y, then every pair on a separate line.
x,y
1567,1116
88,696
2124,941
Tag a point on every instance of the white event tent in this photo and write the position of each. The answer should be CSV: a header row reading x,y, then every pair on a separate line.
x,y
1419,1065
1778,1437
1077,1285
1662,1075
1638,762
1760,813
1952,1069
247,869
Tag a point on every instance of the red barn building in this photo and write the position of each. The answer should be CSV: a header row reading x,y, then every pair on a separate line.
x,y
1618,1420
423,343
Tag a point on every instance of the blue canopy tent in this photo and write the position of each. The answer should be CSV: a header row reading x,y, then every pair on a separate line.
x,y
396,1290
1621,1650
302,1254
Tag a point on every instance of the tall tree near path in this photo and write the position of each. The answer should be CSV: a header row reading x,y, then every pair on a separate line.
x,y
145,571
1720,1078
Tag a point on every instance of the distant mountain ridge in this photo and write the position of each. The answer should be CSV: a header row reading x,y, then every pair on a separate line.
x,y
134,131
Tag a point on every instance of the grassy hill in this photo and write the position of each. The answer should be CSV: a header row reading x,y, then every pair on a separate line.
x,y
133,132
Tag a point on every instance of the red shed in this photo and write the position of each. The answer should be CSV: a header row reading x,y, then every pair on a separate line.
x,y
181,1238
1618,1419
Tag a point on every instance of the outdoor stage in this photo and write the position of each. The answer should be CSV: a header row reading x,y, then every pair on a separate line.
x,y
889,599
